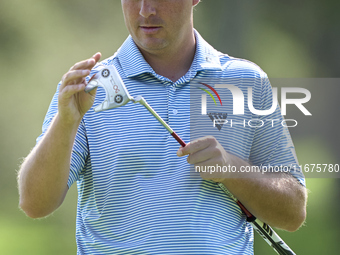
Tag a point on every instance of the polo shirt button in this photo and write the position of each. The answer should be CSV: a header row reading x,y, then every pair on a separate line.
x,y
173,88
174,111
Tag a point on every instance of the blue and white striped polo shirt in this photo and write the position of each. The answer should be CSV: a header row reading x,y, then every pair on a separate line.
x,y
135,195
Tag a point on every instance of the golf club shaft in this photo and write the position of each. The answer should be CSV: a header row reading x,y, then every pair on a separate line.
x,y
264,230
143,102
267,233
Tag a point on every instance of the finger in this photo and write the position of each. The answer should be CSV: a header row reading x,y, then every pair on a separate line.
x,y
74,76
196,145
203,155
94,60
93,92
182,151
87,63
70,90
97,56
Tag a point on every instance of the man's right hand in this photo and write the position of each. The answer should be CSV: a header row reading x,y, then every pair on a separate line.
x,y
44,174
73,101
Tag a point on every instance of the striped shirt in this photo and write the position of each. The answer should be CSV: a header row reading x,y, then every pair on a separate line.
x,y
135,196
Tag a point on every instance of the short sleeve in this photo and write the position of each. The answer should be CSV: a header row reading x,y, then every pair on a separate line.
x,y
272,147
80,146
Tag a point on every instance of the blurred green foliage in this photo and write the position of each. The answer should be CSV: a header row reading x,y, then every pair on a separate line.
x,y
41,40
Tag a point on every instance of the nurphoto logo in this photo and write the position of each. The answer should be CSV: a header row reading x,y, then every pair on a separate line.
x,y
238,99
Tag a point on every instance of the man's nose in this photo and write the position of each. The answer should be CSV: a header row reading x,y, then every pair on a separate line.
x,y
147,8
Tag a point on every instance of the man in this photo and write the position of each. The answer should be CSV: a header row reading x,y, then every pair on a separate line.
x,y
136,196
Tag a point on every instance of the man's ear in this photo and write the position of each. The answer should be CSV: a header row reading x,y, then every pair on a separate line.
x,y
195,2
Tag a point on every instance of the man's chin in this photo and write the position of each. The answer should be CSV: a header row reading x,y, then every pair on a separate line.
x,y
151,45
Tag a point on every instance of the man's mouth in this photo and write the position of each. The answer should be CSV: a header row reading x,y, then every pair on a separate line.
x,y
150,29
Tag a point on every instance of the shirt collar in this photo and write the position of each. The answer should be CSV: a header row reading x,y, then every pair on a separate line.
x,y
206,57
134,64
132,60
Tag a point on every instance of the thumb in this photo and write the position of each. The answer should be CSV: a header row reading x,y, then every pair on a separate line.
x,y
93,92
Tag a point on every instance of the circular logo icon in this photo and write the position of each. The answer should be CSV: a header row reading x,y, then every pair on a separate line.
x,y
105,73
118,99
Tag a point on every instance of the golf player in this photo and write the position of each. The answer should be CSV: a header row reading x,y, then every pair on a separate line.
x,y
135,191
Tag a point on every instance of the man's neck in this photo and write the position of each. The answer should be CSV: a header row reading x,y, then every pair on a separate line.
x,y
175,64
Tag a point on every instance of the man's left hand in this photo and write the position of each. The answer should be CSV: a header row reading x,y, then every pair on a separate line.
x,y
206,152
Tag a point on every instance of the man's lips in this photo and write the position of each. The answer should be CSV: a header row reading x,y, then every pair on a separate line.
x,y
150,29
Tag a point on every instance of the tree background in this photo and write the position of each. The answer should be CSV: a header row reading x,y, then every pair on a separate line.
x,y
40,40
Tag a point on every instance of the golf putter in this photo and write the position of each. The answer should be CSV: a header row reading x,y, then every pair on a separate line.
x,y
117,95
116,92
